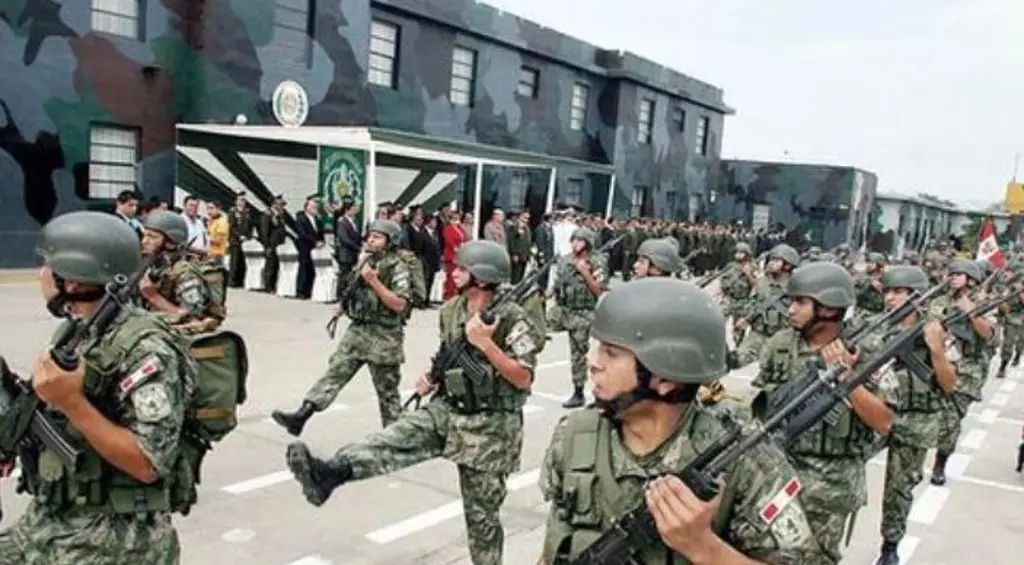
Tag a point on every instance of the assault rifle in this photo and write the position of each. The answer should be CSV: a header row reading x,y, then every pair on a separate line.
x,y
619,544
457,354
24,418
351,283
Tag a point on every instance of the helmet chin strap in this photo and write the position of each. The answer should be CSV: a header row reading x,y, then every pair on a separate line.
x,y
614,408
60,305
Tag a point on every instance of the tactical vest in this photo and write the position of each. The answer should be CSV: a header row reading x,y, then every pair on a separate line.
x,y
95,483
868,298
573,293
363,306
842,434
491,394
1015,313
214,278
591,500
772,316
735,282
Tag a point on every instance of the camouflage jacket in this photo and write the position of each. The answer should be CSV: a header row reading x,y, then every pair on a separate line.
x,y
571,290
869,299
969,357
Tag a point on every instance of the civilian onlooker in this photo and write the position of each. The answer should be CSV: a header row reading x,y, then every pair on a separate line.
x,y
496,230
126,207
310,236
196,225
348,241
218,231
431,252
452,237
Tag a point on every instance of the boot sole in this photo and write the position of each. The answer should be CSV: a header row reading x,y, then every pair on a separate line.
x,y
298,459
280,421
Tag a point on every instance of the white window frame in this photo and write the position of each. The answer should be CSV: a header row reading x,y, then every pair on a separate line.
x,y
578,106
529,82
702,135
382,62
114,154
573,192
637,202
463,80
293,31
644,120
122,18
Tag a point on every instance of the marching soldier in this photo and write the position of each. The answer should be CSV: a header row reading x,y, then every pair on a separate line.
x,y
658,340
478,426
376,301
1012,313
870,301
766,313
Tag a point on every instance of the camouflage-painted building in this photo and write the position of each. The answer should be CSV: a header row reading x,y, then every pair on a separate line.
x,y
93,90
827,205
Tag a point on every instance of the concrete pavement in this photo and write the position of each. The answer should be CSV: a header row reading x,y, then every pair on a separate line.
x,y
251,512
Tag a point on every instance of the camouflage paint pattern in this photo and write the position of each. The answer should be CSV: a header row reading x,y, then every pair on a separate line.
x,y
829,205
202,61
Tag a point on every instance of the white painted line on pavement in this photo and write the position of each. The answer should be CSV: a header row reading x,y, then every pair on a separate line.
x,y
1008,386
257,483
973,439
999,400
552,365
927,506
238,535
430,518
548,396
1001,419
311,560
957,464
988,416
532,409
908,545
992,484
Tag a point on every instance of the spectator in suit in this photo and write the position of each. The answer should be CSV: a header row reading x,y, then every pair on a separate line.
x,y
452,237
520,242
544,241
273,234
415,234
348,241
431,252
496,230
126,208
310,236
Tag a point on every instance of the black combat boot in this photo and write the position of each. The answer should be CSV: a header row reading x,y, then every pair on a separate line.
x,y
888,555
318,478
939,469
294,421
1016,358
576,400
1001,373
1020,457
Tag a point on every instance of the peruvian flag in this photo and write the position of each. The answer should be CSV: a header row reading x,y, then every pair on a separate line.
x,y
988,247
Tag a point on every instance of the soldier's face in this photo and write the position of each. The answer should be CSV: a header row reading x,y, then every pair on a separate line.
x,y
958,281
376,241
641,267
612,370
578,245
801,311
152,242
47,284
895,297
775,265
461,277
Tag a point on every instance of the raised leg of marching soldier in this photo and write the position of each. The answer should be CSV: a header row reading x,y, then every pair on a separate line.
x,y
949,433
903,472
340,370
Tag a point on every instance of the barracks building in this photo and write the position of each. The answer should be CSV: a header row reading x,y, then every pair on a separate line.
x,y
427,102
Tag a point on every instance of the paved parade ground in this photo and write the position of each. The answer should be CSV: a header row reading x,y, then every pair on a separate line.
x,y
252,513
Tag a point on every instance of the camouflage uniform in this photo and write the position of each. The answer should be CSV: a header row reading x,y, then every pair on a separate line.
x,y
736,287
1013,336
870,301
184,285
767,317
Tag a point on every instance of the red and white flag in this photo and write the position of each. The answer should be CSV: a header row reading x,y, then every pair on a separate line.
x,y
988,247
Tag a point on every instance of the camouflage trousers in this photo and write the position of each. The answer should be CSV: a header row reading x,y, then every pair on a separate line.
x,y
340,370
833,488
417,436
1013,343
911,437
950,420
577,324
42,536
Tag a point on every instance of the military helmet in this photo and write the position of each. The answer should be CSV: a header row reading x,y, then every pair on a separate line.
x,y
827,284
964,267
90,247
875,257
172,225
905,276
985,267
672,327
389,228
742,247
786,253
911,256
585,234
673,242
661,254
827,258
486,260
935,258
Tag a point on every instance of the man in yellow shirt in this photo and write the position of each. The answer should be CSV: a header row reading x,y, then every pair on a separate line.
x,y
218,230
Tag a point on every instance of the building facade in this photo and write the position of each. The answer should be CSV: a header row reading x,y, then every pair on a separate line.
x,y
101,85
827,205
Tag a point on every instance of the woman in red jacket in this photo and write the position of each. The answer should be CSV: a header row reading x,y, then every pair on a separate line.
x,y
452,237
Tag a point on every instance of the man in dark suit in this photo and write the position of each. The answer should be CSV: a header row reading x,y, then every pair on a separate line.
x,y
347,241
310,237
544,241
431,251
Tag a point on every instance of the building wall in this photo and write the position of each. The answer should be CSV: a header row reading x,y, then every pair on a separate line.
x,y
905,223
829,205
211,60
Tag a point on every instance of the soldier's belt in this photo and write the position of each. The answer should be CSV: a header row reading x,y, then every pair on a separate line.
x,y
460,406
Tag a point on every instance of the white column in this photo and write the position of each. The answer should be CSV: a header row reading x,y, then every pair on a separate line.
x,y
478,189
551,191
611,196
370,194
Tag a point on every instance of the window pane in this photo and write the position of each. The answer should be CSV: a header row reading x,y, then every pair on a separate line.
x,y
380,78
381,63
129,8
300,5
525,90
115,25
460,98
384,31
462,71
462,55
382,47
291,18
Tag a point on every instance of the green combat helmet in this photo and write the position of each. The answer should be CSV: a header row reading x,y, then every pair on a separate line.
x,y
876,257
387,227
584,234
963,267
170,224
911,257
742,247
661,254
904,276
785,253
90,247
672,327
827,284
486,260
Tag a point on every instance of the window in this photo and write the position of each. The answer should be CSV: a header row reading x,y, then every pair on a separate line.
x,y
113,156
645,120
293,28
574,192
702,135
383,54
117,17
578,108
670,204
761,216
463,76
639,197
517,190
528,80
679,119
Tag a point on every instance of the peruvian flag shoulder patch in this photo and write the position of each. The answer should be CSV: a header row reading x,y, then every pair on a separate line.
x,y
780,501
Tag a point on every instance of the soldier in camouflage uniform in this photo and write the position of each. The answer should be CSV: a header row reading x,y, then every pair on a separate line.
x,y
580,279
910,257
376,300
737,283
658,339
934,264
916,429
968,357
477,425
1012,318
766,312
176,286
831,456
115,507
869,288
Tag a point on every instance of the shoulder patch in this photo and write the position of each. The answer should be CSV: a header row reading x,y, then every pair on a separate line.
x,y
149,367
151,403
519,338
769,512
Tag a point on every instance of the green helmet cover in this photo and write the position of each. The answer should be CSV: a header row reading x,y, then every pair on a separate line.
x,y
90,247
827,284
172,225
487,261
905,276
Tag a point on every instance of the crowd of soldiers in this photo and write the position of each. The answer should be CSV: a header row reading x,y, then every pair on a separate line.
x,y
660,346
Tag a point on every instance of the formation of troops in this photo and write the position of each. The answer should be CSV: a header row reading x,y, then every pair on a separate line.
x,y
149,396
